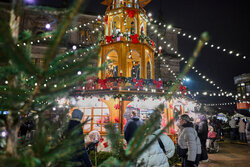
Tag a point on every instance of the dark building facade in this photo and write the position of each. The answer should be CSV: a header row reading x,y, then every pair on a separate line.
x,y
84,32
242,83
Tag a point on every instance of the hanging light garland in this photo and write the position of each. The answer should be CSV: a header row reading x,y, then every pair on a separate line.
x,y
211,94
71,30
163,38
194,38
220,104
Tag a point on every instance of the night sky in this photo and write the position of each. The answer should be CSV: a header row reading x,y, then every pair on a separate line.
x,y
226,21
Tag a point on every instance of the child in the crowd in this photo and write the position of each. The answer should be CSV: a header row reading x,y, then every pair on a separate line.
x,y
211,137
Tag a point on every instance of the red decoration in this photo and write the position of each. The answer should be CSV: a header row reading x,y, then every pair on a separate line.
x,y
103,83
158,84
183,89
159,51
153,44
124,121
171,106
106,19
117,120
138,83
172,131
109,39
101,140
105,144
117,106
131,13
99,121
134,38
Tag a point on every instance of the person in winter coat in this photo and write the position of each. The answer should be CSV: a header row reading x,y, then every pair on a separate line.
x,y
248,132
131,126
232,124
157,154
81,155
242,130
202,130
189,140
211,137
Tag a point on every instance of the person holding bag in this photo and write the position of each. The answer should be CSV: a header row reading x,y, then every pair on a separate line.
x,y
189,146
159,152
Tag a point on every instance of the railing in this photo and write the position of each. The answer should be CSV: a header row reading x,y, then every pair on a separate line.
x,y
126,38
122,83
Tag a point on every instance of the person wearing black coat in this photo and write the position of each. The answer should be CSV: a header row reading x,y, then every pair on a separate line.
x,y
131,126
80,155
202,130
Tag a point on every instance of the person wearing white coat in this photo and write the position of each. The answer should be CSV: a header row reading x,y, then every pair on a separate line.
x,y
154,156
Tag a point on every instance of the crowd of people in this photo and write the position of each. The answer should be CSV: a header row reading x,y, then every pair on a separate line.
x,y
240,129
194,138
192,141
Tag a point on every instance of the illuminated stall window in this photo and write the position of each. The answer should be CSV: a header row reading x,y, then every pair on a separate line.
x,y
99,118
96,111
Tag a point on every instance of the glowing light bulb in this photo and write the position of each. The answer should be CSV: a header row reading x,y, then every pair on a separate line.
x,y
48,26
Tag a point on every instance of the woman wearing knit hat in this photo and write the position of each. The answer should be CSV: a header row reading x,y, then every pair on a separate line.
x,y
189,146
81,155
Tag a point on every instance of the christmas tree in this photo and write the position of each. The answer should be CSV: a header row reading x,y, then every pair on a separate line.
x,y
25,87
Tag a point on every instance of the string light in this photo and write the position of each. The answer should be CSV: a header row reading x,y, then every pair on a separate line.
x,y
189,36
220,104
71,30
194,68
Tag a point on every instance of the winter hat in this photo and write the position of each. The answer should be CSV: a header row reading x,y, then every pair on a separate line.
x,y
202,117
77,114
185,117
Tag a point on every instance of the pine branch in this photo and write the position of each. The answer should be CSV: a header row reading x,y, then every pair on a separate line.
x,y
16,54
51,53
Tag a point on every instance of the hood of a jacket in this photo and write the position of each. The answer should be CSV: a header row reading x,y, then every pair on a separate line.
x,y
136,118
188,124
